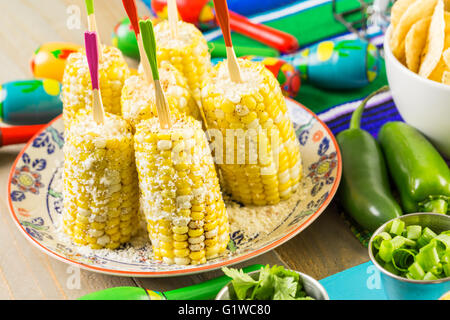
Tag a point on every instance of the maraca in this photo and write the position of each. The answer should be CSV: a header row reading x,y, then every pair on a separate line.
x,y
201,13
339,64
49,60
29,102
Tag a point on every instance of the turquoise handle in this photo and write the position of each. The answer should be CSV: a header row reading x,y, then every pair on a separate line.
x,y
206,290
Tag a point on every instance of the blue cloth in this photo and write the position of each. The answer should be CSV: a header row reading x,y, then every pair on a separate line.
x,y
362,282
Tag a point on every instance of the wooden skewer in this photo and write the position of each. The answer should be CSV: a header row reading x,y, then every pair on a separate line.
x,y
223,16
92,24
149,41
130,8
92,49
173,17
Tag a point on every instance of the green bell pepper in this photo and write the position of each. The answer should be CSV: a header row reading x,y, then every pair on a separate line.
x,y
421,175
364,191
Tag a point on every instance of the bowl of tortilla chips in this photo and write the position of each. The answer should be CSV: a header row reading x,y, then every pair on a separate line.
x,y
417,53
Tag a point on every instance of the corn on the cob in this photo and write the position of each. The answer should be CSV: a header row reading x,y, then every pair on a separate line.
x,y
100,190
186,216
138,97
188,53
259,155
77,92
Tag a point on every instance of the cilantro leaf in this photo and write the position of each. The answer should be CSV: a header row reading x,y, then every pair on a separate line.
x,y
242,282
264,290
285,288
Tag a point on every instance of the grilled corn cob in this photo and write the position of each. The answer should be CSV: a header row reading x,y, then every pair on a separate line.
x,y
186,216
100,190
138,98
77,93
188,53
259,155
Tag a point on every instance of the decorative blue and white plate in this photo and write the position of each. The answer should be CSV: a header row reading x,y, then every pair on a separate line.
x,y
35,202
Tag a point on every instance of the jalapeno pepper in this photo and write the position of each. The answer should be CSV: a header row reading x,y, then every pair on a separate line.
x,y
420,173
364,191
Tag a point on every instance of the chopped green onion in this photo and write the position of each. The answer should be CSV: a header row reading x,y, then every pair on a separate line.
x,y
443,243
428,257
398,242
414,251
429,276
446,257
407,242
426,236
387,247
410,276
386,250
397,227
391,268
413,232
380,237
446,269
416,271
402,259
437,269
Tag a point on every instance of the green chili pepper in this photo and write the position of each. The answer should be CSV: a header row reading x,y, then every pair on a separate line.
x,y
365,191
420,173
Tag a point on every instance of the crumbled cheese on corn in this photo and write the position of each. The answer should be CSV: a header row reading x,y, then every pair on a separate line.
x,y
221,84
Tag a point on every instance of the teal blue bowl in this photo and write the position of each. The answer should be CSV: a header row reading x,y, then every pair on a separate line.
x,y
399,288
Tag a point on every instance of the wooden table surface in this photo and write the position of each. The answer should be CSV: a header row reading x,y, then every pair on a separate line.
x,y
326,247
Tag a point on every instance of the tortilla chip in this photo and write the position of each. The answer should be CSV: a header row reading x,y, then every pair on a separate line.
x,y
435,43
447,5
415,42
446,78
398,9
415,12
438,71
446,57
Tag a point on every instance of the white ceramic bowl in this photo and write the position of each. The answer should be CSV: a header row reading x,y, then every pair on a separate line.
x,y
423,103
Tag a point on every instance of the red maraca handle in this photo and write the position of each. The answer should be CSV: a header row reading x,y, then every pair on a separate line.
x,y
282,41
18,134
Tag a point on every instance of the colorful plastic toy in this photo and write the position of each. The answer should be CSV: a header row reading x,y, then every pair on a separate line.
x,y
30,102
49,59
340,64
201,13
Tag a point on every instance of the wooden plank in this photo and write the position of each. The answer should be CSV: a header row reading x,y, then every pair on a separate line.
x,y
326,247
